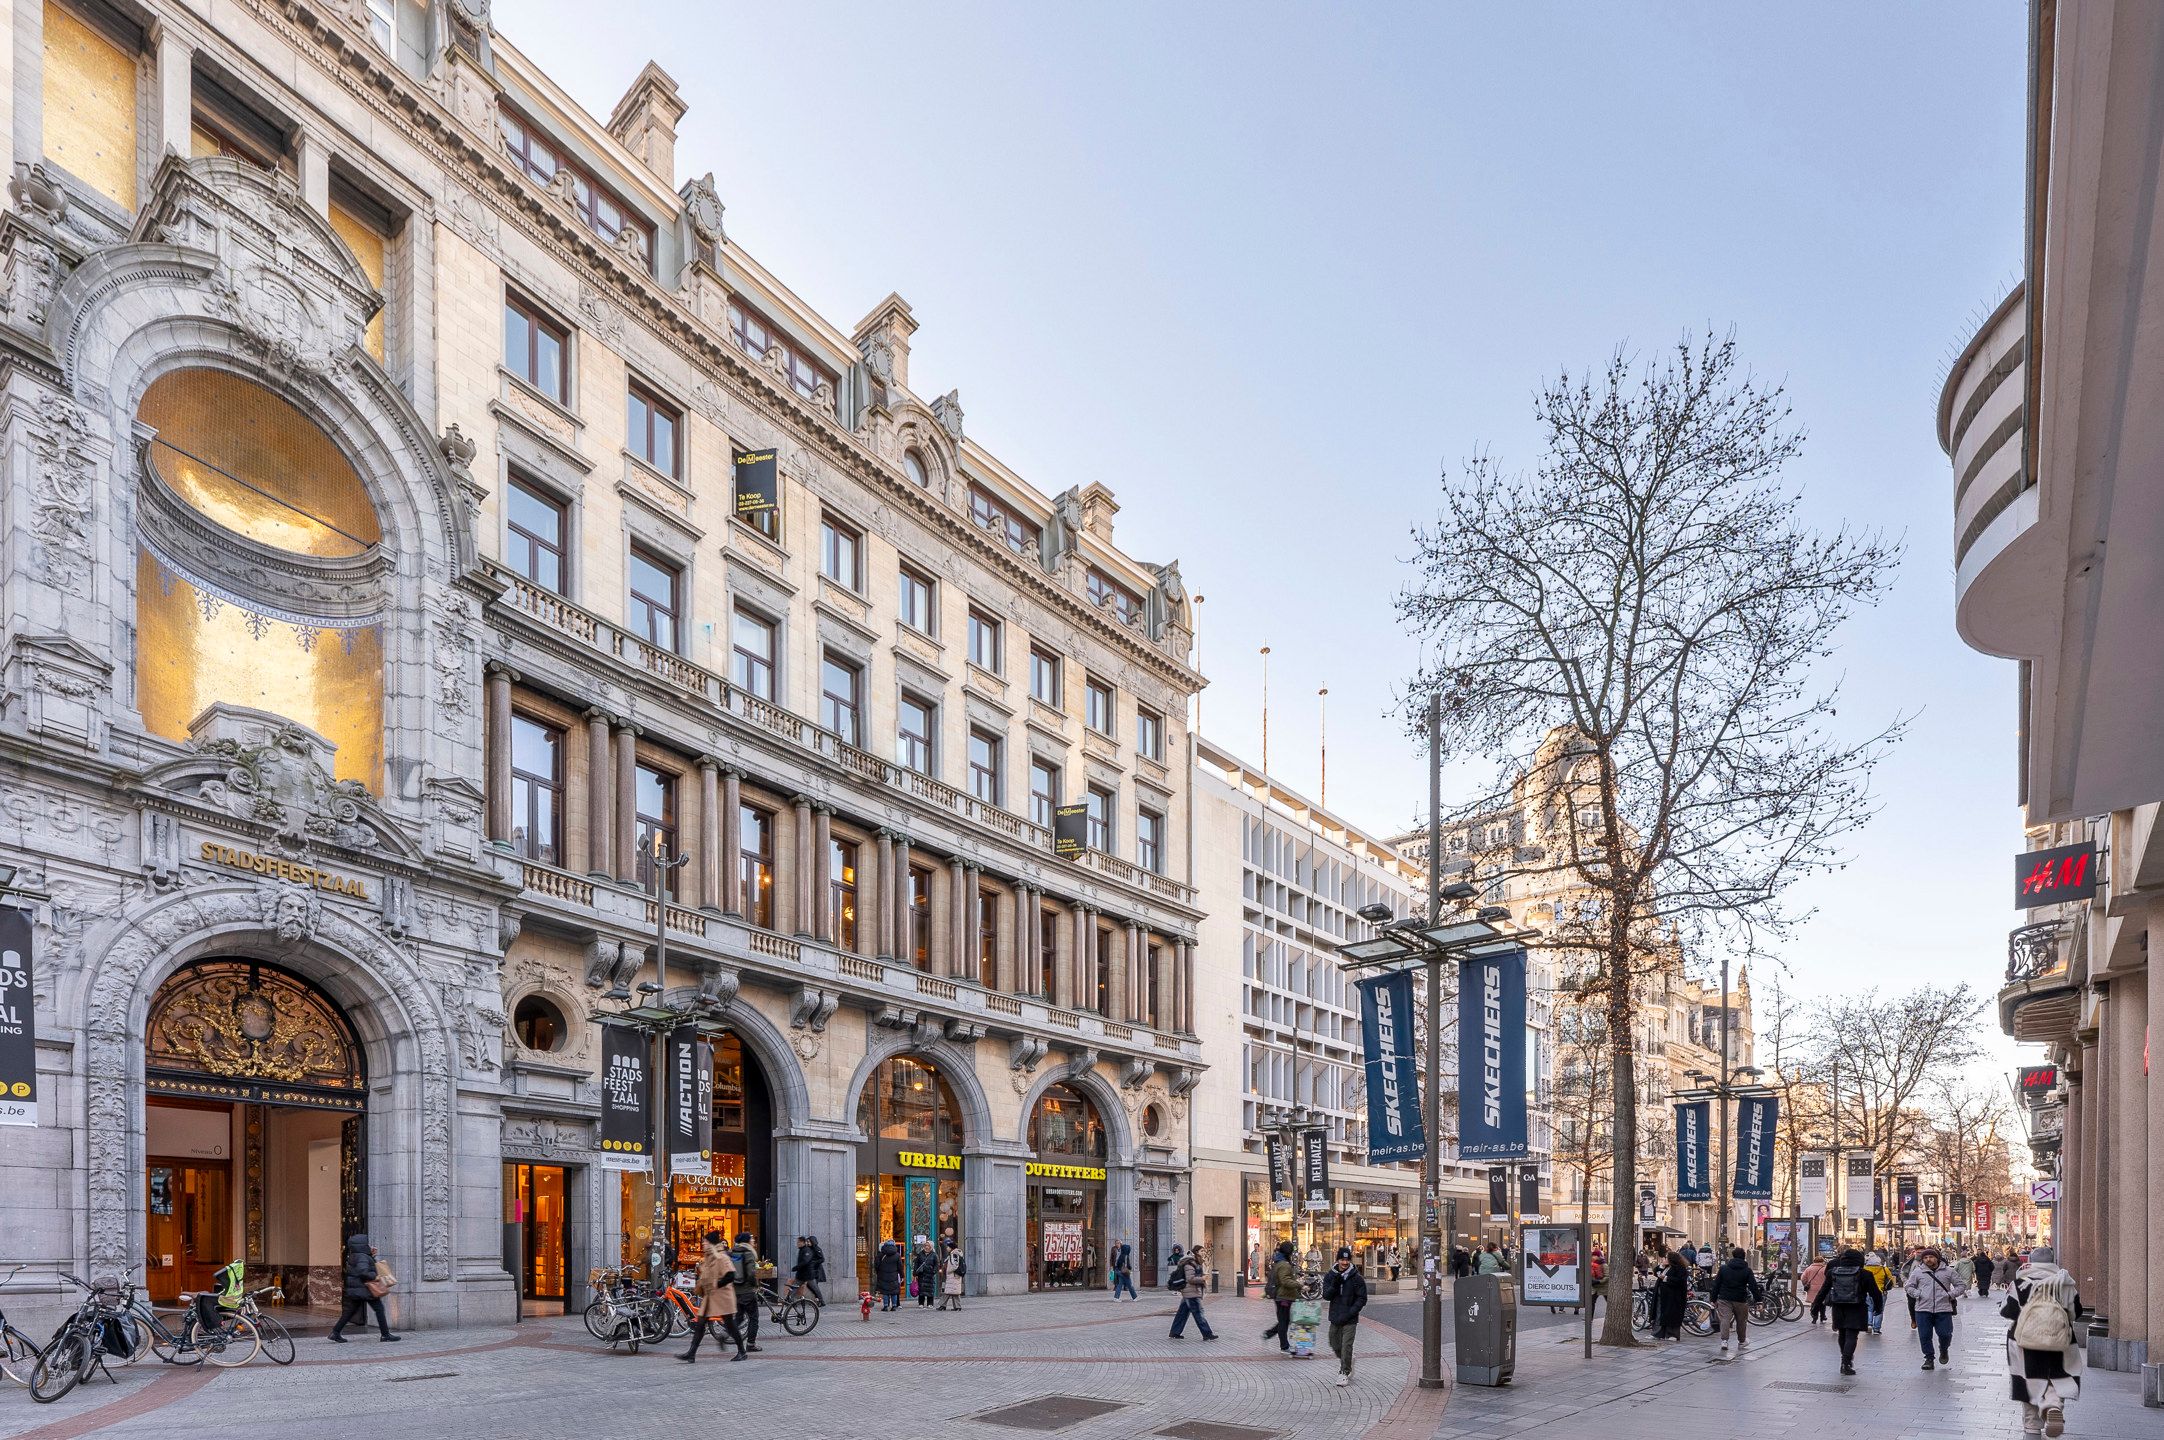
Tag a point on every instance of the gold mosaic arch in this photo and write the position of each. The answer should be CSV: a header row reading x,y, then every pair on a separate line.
x,y
248,1031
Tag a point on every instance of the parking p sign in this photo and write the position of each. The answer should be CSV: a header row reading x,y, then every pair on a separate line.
x,y
2044,1192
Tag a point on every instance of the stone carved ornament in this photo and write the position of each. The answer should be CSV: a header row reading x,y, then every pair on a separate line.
x,y
280,783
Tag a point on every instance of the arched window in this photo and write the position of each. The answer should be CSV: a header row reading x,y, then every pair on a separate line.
x,y
913,464
1066,1124
908,1099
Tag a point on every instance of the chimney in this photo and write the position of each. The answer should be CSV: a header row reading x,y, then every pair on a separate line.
x,y
645,121
883,339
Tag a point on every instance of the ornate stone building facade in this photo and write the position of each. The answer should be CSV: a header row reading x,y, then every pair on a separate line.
x,y
391,572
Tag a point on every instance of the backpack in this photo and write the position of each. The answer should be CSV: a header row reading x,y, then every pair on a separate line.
x,y
1844,1285
1176,1281
2043,1323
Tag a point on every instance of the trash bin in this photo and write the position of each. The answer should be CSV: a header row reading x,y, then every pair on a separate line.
x,y
1486,1319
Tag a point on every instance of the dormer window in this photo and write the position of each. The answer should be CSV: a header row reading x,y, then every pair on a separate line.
x,y
1107,593
913,467
990,512
542,160
755,336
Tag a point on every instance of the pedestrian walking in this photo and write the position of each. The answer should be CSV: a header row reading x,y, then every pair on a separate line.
x,y
951,1271
1734,1288
1346,1290
366,1280
1983,1267
1489,1261
1814,1280
1461,1262
1187,1281
887,1275
745,1257
2044,1355
1671,1292
715,1281
1391,1258
1965,1269
1883,1279
1935,1290
1123,1271
1847,1297
924,1273
1284,1289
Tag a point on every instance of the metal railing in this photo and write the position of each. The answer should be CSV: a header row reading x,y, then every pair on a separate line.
x,y
2034,951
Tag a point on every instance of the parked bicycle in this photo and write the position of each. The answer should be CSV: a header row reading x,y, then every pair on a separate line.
x,y
277,1340
626,1310
81,1344
798,1316
18,1352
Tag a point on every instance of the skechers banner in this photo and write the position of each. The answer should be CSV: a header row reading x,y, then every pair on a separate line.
x,y
1386,1033
1694,1162
18,1022
1754,1146
1491,1057
691,1103
1280,1170
626,1091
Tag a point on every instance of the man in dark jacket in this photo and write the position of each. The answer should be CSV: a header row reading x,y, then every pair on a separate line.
x,y
887,1275
746,1259
1848,1295
1284,1288
1983,1272
1347,1291
1734,1288
1671,1297
359,1269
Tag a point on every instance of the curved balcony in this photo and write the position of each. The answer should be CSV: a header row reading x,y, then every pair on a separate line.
x,y
2041,998
1981,426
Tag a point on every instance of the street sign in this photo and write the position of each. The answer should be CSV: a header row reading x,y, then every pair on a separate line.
x,y
2044,1192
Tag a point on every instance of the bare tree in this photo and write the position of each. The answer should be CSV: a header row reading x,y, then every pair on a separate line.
x,y
1893,1050
1633,632
1964,1145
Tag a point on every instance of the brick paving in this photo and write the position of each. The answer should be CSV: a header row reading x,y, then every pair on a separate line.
x,y
922,1373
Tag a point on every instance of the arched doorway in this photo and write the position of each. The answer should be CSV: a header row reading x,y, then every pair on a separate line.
x,y
910,1165
1066,1201
254,1140
734,1192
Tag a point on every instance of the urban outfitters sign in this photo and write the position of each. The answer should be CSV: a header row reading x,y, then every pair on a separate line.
x,y
279,869
1043,1171
925,1160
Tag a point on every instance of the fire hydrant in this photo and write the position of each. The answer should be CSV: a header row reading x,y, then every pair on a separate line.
x,y
864,1306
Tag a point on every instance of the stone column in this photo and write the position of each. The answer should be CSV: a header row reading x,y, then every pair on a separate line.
x,y
958,926
883,902
627,801
1118,1004
2153,1377
1138,984
800,888
2066,1233
1168,986
1085,958
2088,1237
1026,964
500,819
973,900
825,923
1063,965
1004,910
175,118
312,158
600,798
939,920
732,841
905,913
2128,1155
1187,987
710,848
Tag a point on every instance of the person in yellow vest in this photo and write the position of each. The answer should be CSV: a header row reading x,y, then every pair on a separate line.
x,y
1876,1264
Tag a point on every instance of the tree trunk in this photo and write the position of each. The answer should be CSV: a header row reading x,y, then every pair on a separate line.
x,y
1622,1211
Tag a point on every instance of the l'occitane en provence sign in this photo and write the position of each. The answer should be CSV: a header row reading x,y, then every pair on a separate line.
x,y
279,869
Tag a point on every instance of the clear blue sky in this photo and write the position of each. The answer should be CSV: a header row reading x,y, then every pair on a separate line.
x,y
1262,269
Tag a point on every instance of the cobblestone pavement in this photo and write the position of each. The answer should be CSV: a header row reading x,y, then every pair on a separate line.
x,y
923,1373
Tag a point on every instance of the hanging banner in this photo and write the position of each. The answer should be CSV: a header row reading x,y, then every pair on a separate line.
x,y
758,486
1498,1192
1491,1057
1908,1199
18,1022
1386,1036
1984,1217
1755,1116
1931,1211
1811,1186
1529,1191
1315,1169
1070,830
1957,1210
1273,1149
2054,876
1648,1198
626,1095
691,1103
1861,1198
1694,1167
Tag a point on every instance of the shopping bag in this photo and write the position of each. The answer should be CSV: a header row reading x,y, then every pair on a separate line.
x,y
1306,1316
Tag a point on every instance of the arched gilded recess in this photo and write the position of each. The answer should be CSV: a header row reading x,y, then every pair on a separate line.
x,y
248,1030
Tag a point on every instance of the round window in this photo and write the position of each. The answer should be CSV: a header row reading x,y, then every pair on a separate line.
x,y
1153,1121
540,1025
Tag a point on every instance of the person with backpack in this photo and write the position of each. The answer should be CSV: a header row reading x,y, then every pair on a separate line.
x,y
1848,1295
1346,1290
1188,1279
746,1259
1284,1289
1123,1271
1734,1288
2044,1356
952,1269
1935,1290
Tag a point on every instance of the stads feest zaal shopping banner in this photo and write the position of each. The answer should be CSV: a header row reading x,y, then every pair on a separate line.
x,y
18,1022
1491,1057
627,1095
1386,1036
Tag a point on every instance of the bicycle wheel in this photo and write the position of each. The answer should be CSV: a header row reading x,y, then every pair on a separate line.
x,y
169,1347
1791,1307
679,1319
600,1320
18,1355
1698,1317
653,1323
277,1340
61,1364
799,1317
235,1343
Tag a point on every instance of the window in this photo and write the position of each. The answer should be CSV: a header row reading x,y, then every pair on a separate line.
x,y
654,583
984,766
839,550
841,688
992,514
1101,803
1107,593
1101,962
752,646
91,80
366,228
755,336
382,25
1043,790
755,860
538,524
1150,841
1149,733
1098,706
920,917
1044,677
913,467
988,938
656,429
1048,930
983,641
913,733
918,611
537,790
534,349
842,899
603,213
655,792
224,123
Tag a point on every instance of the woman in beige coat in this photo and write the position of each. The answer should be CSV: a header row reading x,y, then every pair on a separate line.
x,y
716,1286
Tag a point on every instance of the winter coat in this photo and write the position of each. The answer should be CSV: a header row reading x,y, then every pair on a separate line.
x,y
1347,1292
1734,1281
1673,1291
1123,1258
1487,1262
1935,1292
887,1269
819,1262
746,1260
802,1270
1284,1280
2062,1366
1984,1267
1814,1280
716,1283
927,1266
359,1268
1848,1315
1185,1276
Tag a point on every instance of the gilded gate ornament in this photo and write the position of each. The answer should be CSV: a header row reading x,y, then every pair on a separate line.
x,y
239,1020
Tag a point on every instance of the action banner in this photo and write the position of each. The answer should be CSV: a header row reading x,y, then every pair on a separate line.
x,y
1280,1164
1755,1116
627,1092
691,1103
18,1022
1491,1057
1811,1186
1386,1036
1315,1169
1694,1165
